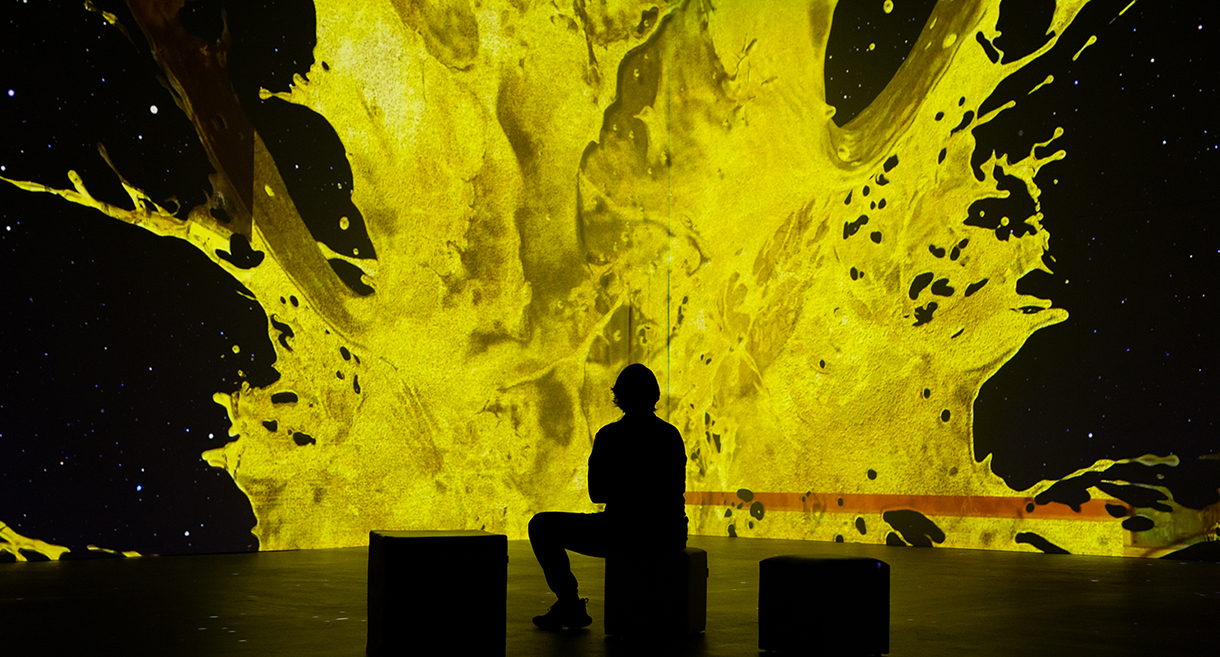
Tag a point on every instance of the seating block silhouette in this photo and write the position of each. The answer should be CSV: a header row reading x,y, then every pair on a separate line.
x,y
429,584
657,593
832,605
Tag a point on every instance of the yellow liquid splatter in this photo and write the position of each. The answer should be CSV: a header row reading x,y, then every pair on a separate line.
x,y
17,545
1092,40
552,196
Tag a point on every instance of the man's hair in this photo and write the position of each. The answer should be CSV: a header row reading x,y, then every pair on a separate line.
x,y
636,389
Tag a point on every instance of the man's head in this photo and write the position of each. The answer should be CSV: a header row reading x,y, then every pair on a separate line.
x,y
636,389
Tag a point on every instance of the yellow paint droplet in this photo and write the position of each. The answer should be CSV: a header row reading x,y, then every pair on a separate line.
x,y
267,188
344,223
872,46
950,40
1092,40
888,6
1049,79
236,349
355,251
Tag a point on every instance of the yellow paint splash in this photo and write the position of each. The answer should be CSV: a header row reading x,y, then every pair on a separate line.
x,y
1049,79
554,191
1092,40
115,553
16,545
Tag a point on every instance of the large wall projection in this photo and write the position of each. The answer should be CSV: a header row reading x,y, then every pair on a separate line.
x,y
909,272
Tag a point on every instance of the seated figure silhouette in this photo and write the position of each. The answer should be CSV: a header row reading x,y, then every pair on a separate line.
x,y
638,470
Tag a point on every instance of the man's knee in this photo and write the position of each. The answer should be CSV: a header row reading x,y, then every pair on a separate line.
x,y
540,524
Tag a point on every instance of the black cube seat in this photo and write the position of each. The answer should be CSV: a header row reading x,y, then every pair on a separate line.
x,y
831,605
657,594
427,584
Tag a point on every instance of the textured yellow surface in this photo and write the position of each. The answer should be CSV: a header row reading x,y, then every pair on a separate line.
x,y
554,191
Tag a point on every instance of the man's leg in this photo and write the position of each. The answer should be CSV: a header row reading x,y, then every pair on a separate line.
x,y
552,534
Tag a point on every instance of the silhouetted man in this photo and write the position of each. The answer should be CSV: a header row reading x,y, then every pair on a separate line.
x,y
638,469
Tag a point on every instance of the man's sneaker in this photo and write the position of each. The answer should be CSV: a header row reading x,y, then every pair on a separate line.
x,y
565,614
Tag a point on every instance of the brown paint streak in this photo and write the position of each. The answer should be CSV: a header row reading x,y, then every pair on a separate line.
x,y
958,506
198,73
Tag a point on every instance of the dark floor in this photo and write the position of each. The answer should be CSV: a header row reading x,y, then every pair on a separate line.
x,y
943,602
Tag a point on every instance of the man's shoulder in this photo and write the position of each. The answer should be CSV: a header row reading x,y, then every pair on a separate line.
x,y
661,425
609,432
615,428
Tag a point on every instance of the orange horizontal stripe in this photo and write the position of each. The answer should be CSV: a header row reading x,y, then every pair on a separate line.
x,y
960,506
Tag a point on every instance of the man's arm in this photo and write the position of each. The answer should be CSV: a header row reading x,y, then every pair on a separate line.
x,y
679,459
597,491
